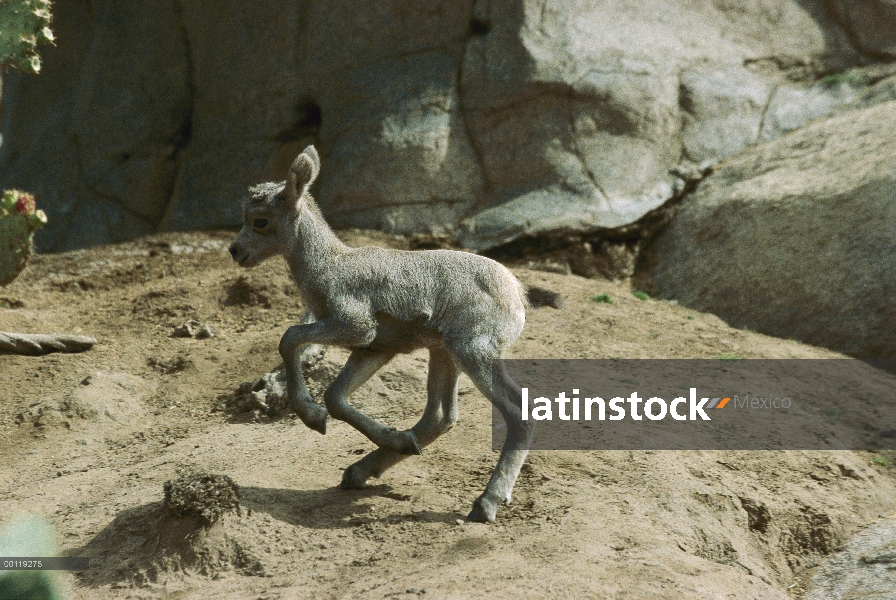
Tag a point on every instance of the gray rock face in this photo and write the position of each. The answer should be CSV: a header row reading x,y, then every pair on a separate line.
x,y
865,569
486,120
881,91
796,237
723,110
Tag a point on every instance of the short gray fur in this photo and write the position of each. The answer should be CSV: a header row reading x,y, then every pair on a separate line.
x,y
464,308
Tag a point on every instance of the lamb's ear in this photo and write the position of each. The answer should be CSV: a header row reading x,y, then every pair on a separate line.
x,y
311,152
302,173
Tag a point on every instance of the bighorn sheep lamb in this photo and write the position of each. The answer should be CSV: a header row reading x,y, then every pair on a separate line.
x,y
465,309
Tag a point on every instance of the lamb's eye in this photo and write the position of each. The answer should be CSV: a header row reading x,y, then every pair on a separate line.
x,y
260,223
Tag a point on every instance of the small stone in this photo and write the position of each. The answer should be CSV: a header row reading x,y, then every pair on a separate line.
x,y
194,329
459,521
187,330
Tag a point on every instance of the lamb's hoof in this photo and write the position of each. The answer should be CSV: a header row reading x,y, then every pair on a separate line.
x,y
484,510
314,417
353,478
404,442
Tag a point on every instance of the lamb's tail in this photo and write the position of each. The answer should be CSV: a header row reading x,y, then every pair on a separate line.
x,y
541,297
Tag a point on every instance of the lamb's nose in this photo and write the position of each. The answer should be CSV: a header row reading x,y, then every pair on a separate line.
x,y
233,251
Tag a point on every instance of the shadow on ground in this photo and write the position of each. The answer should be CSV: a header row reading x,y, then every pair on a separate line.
x,y
143,544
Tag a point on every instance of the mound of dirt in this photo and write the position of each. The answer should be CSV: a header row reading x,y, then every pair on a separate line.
x,y
149,545
100,398
198,528
206,497
245,292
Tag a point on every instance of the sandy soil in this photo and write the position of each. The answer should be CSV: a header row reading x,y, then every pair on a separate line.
x,y
89,439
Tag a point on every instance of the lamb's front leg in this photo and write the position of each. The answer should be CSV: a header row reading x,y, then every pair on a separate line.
x,y
327,332
361,366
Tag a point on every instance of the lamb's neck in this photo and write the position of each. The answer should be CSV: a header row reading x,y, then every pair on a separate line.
x,y
312,250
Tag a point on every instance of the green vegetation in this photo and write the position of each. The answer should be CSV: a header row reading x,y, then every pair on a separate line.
x,y
728,357
605,298
24,24
640,295
833,414
880,461
833,79
19,219
850,77
29,536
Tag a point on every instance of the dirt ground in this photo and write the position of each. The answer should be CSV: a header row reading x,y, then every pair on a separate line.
x,y
89,439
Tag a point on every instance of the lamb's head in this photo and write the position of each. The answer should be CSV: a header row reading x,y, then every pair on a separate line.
x,y
272,210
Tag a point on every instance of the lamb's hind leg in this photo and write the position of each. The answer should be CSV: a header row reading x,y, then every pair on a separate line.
x,y
476,360
361,366
440,415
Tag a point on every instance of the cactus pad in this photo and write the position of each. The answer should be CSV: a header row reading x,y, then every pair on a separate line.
x,y
19,219
23,25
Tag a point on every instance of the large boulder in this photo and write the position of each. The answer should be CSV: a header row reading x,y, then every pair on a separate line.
x,y
483,119
796,237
